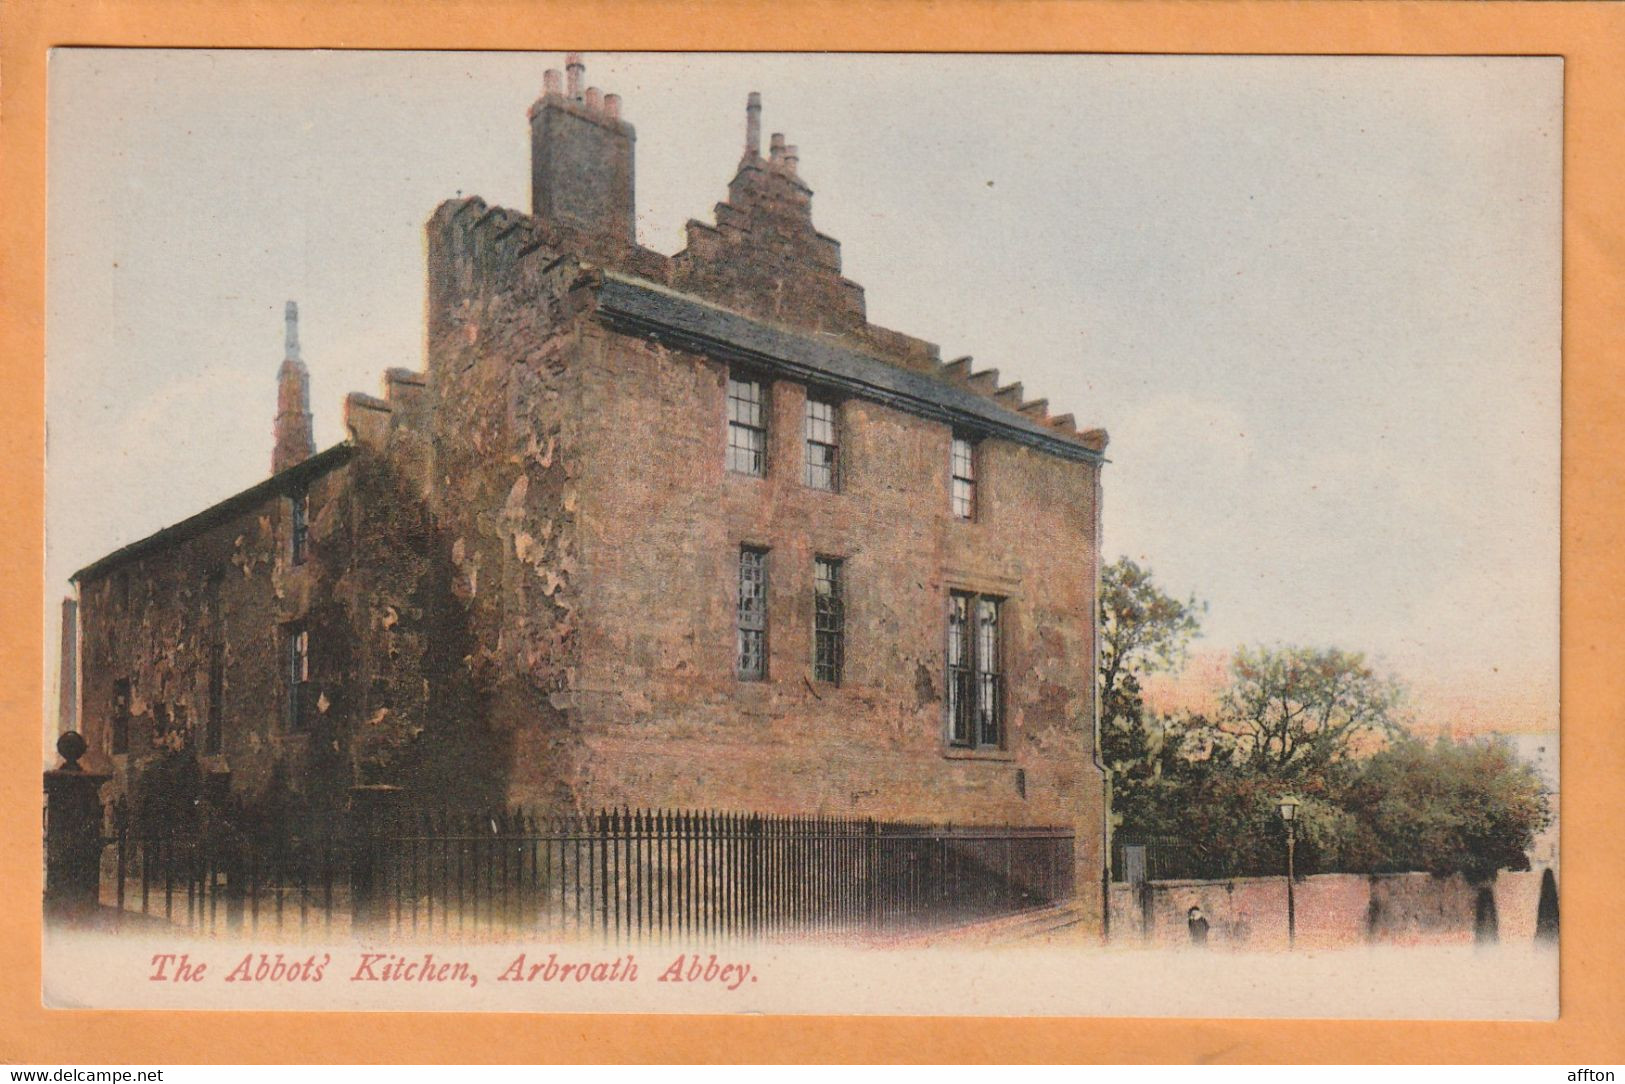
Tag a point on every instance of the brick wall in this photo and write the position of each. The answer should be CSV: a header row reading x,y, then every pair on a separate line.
x,y
1334,910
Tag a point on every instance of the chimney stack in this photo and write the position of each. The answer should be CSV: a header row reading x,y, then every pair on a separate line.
x,y
294,439
753,125
581,160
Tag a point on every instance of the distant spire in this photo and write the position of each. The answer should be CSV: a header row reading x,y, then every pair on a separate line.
x,y
290,316
294,440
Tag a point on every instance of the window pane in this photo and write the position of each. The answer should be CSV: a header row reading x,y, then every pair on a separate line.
x,y
829,620
121,716
975,684
752,639
963,484
298,677
822,442
987,709
747,427
960,700
301,526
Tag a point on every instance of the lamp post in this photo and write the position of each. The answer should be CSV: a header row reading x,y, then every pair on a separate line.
x,y
1288,806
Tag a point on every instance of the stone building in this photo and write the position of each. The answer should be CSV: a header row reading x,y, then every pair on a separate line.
x,y
682,531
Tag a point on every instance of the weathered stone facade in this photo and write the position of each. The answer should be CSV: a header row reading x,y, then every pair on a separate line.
x,y
523,572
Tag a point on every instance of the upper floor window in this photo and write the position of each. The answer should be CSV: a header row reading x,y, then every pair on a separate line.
x,y
829,620
823,443
747,426
301,526
119,736
975,677
752,642
298,676
962,490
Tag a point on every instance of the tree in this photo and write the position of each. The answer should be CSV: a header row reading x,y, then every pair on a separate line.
x,y
1451,807
1143,630
1297,713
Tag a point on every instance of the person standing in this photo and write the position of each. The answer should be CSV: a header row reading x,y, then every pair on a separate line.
x,y
1196,922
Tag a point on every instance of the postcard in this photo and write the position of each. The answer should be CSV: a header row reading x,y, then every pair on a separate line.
x,y
803,533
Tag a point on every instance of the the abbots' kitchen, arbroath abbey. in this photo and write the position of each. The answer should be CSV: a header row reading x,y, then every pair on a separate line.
x,y
651,531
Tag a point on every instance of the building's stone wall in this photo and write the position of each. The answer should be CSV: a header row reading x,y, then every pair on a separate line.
x,y
659,706
506,427
153,621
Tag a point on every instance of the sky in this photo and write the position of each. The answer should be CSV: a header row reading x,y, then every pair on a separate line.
x,y
1315,301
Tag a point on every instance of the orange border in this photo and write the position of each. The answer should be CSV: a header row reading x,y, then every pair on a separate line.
x,y
1590,35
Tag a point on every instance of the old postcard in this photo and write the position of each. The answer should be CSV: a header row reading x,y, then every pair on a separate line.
x,y
803,533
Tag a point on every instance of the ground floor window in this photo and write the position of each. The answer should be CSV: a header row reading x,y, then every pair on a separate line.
x,y
119,739
298,677
975,679
829,620
752,640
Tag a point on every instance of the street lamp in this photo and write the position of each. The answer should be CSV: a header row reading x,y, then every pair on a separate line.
x,y
1288,806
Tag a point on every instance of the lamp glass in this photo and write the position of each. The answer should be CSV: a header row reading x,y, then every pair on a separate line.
x,y
1289,808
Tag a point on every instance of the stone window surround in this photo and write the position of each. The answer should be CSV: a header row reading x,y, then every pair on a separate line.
x,y
975,672
821,440
748,413
829,619
964,476
751,650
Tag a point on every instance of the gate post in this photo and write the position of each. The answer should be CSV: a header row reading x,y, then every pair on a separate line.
x,y
73,834
370,809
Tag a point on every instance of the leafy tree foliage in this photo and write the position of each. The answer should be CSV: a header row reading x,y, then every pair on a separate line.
x,y
1143,630
1300,712
1451,807
1320,723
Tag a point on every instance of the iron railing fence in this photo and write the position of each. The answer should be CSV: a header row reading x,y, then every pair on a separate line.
x,y
615,875
1156,859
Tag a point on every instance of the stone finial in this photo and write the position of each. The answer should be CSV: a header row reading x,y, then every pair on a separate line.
x,y
71,746
753,125
290,320
574,71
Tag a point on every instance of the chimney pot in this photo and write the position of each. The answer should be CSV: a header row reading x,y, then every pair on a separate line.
x,y
775,146
753,125
574,68
791,157
595,100
552,82
612,106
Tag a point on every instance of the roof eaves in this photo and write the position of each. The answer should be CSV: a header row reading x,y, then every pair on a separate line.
x,y
295,476
645,308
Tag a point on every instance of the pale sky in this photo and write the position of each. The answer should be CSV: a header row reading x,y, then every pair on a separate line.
x,y
1315,301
